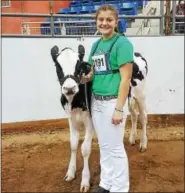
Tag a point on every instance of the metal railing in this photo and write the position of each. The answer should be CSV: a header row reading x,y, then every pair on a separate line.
x,y
64,16
146,22
87,27
27,29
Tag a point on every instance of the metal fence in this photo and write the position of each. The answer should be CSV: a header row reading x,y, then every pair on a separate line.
x,y
76,27
67,27
70,25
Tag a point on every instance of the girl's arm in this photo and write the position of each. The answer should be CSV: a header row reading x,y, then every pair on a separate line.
x,y
126,74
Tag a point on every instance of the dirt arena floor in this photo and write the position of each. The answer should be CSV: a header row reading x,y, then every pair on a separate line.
x,y
37,162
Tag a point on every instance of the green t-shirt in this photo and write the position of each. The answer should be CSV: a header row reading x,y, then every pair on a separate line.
x,y
121,54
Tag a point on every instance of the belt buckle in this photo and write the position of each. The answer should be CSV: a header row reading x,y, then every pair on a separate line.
x,y
98,97
104,98
107,98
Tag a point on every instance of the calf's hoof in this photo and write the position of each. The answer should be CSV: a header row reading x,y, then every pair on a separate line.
x,y
142,148
70,174
132,140
69,178
143,144
84,188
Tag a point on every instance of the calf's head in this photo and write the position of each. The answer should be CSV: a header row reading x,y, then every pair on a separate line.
x,y
69,68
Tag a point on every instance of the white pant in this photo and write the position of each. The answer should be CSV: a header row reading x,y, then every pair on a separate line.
x,y
113,158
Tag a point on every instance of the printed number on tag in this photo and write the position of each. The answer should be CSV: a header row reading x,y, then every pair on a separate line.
x,y
99,63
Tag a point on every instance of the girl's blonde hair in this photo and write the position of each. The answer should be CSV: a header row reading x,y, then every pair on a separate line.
x,y
107,8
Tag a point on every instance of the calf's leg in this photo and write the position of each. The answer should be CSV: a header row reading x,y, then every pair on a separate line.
x,y
134,117
86,150
74,138
143,119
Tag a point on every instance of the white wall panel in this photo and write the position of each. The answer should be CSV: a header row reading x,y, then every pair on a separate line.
x,y
30,90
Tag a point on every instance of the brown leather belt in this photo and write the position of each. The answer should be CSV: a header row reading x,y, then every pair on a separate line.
x,y
104,98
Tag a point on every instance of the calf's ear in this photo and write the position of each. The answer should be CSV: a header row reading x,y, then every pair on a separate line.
x,y
81,52
54,53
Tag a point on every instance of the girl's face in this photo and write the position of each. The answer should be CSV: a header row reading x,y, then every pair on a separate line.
x,y
106,23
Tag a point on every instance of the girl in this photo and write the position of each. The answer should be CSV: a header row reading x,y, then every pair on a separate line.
x,y
111,58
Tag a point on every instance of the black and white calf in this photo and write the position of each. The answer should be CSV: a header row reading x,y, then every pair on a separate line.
x,y
137,100
70,67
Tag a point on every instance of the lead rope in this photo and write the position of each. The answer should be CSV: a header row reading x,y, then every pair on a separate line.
x,y
86,97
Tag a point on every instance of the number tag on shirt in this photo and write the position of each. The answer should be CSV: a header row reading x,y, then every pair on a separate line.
x,y
99,63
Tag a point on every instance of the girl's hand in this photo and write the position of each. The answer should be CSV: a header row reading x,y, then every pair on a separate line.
x,y
117,117
85,78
